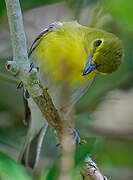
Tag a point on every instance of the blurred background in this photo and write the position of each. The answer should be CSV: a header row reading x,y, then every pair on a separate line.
x,y
105,112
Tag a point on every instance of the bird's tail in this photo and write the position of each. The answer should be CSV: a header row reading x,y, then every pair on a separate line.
x,y
30,153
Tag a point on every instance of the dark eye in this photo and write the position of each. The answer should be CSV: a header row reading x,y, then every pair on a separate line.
x,y
97,43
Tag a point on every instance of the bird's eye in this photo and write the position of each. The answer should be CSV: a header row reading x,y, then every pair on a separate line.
x,y
97,43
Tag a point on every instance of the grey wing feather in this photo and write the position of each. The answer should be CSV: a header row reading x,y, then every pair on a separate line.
x,y
79,92
43,33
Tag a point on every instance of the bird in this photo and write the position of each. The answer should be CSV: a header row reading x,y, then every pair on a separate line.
x,y
68,55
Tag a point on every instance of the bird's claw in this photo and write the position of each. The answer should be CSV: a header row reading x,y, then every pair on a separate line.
x,y
76,136
32,66
26,94
20,85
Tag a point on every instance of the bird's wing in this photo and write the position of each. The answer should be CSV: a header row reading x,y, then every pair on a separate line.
x,y
76,95
43,33
79,92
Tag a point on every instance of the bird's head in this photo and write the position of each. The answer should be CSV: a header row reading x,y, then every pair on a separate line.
x,y
104,54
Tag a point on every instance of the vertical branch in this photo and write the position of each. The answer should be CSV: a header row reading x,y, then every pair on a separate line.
x,y
18,38
67,158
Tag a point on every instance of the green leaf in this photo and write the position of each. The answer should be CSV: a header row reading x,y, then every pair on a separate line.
x,y
53,173
84,149
11,170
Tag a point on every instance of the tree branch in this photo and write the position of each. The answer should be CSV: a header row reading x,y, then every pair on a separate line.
x,y
90,171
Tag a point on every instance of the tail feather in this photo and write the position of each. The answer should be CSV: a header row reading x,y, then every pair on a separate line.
x,y
30,154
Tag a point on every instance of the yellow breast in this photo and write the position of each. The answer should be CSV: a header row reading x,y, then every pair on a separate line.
x,y
61,54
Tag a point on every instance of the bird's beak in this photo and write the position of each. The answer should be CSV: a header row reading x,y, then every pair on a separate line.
x,y
89,67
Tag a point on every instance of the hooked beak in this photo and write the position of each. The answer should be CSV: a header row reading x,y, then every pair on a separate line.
x,y
89,67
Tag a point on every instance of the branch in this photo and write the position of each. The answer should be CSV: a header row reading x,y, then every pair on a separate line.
x,y
20,67
90,171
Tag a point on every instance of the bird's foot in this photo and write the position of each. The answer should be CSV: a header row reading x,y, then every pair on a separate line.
x,y
26,94
20,85
76,138
32,66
